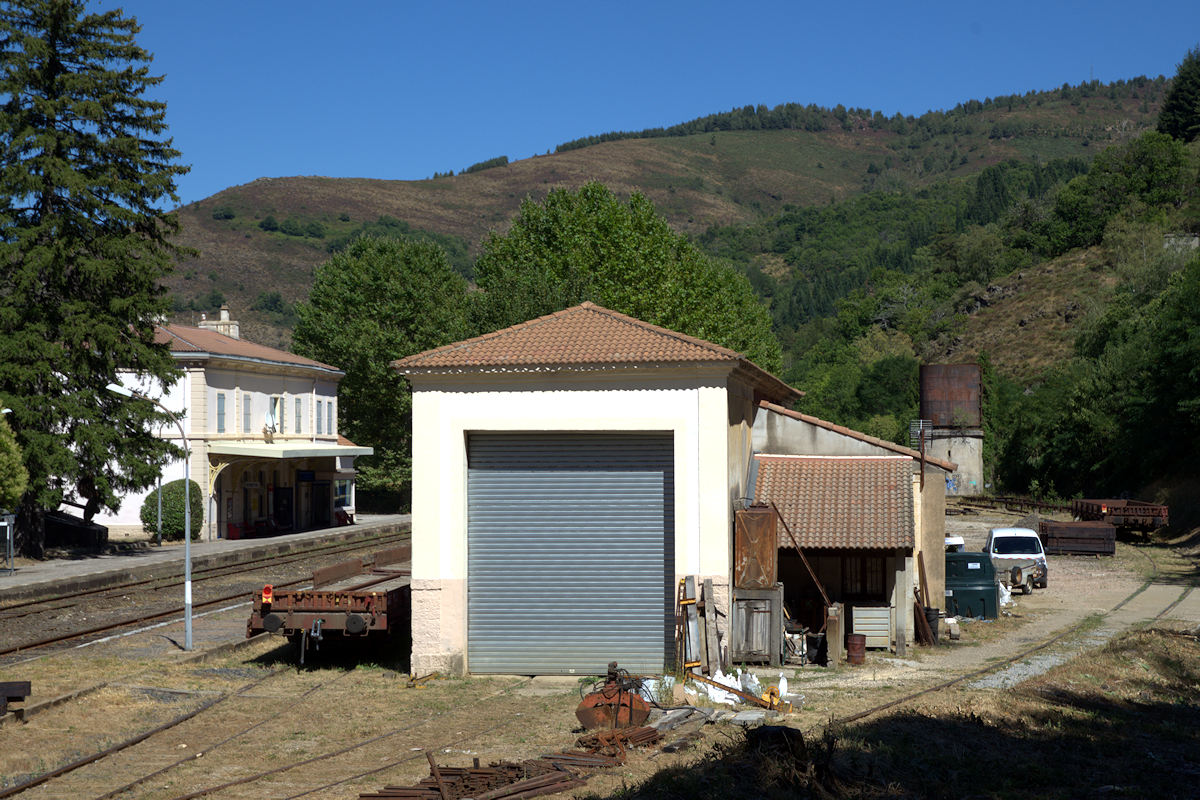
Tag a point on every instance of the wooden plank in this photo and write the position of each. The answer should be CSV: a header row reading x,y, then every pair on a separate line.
x,y
738,693
710,628
692,629
924,596
924,632
15,690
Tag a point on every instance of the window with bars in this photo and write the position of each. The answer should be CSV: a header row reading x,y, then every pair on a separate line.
x,y
299,408
246,413
220,412
320,412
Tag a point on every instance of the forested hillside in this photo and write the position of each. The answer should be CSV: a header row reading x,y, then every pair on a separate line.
x,y
739,168
1049,236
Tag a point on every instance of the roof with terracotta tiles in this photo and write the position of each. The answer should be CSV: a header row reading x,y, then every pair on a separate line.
x,y
185,339
840,501
581,337
949,466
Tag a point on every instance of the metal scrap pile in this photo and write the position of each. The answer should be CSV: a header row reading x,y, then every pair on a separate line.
x,y
506,780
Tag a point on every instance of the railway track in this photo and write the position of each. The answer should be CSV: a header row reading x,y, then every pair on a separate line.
x,y
149,613
293,707
18,610
330,775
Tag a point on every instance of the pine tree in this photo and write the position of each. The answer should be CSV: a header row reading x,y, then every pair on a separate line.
x,y
83,167
1180,113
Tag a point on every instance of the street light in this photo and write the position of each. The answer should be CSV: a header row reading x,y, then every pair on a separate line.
x,y
187,510
9,523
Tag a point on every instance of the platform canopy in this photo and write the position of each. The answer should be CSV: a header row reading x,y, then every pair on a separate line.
x,y
285,450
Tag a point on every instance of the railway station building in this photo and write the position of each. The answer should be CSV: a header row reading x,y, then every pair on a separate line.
x,y
569,471
262,429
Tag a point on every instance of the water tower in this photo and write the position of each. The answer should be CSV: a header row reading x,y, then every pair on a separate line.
x,y
951,423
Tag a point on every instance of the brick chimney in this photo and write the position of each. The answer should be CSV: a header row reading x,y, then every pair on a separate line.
x,y
224,324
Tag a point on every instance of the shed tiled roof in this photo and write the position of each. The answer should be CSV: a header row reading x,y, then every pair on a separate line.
x,y
186,339
949,466
840,502
585,336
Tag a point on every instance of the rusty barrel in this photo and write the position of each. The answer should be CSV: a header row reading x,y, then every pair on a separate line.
x,y
856,648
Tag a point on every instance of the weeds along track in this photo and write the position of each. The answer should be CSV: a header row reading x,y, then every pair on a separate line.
x,y
45,627
140,759
1024,654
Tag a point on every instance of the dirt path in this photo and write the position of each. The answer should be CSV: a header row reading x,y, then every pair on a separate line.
x,y
1079,588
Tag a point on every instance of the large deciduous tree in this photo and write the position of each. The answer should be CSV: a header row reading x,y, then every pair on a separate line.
x,y
376,301
1180,113
84,166
588,245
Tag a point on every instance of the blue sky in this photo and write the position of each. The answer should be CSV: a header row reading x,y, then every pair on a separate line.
x,y
400,90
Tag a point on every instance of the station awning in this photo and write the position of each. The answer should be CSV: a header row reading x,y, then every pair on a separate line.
x,y
285,450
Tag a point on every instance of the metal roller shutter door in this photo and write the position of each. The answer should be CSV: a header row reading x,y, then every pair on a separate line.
x,y
570,552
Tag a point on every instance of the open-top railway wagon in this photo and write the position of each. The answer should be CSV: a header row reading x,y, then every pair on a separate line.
x,y
360,598
1129,514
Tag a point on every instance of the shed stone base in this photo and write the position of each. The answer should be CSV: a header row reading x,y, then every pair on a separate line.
x,y
439,626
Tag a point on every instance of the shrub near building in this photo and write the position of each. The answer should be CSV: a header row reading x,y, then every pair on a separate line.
x,y
172,511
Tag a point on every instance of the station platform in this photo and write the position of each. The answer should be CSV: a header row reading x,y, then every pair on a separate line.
x,y
55,576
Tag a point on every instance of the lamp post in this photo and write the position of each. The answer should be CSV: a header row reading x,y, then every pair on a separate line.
x,y
187,509
9,523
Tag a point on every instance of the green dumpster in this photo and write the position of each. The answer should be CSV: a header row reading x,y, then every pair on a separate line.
x,y
971,587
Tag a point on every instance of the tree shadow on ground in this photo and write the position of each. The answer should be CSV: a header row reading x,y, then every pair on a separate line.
x,y
391,652
1096,733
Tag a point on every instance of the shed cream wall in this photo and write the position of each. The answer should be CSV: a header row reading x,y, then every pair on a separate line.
x,y
930,530
693,408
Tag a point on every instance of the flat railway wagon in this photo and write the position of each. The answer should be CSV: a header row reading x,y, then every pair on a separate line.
x,y
1090,537
1133,515
363,598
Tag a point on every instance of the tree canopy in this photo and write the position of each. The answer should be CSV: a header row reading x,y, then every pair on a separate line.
x,y
588,245
83,170
374,302
1180,113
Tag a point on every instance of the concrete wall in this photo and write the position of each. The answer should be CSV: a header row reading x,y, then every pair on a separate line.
x,y
930,531
964,447
783,435
691,405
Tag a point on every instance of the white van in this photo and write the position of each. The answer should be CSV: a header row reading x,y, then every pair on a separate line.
x,y
1016,547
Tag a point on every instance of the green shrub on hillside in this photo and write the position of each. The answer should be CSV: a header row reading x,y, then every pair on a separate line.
x,y
223,212
172,510
269,224
498,161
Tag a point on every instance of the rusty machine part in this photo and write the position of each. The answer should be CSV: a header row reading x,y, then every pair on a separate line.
x,y
617,742
614,704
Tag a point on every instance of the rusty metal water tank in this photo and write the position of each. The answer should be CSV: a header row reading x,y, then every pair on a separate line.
x,y
950,395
